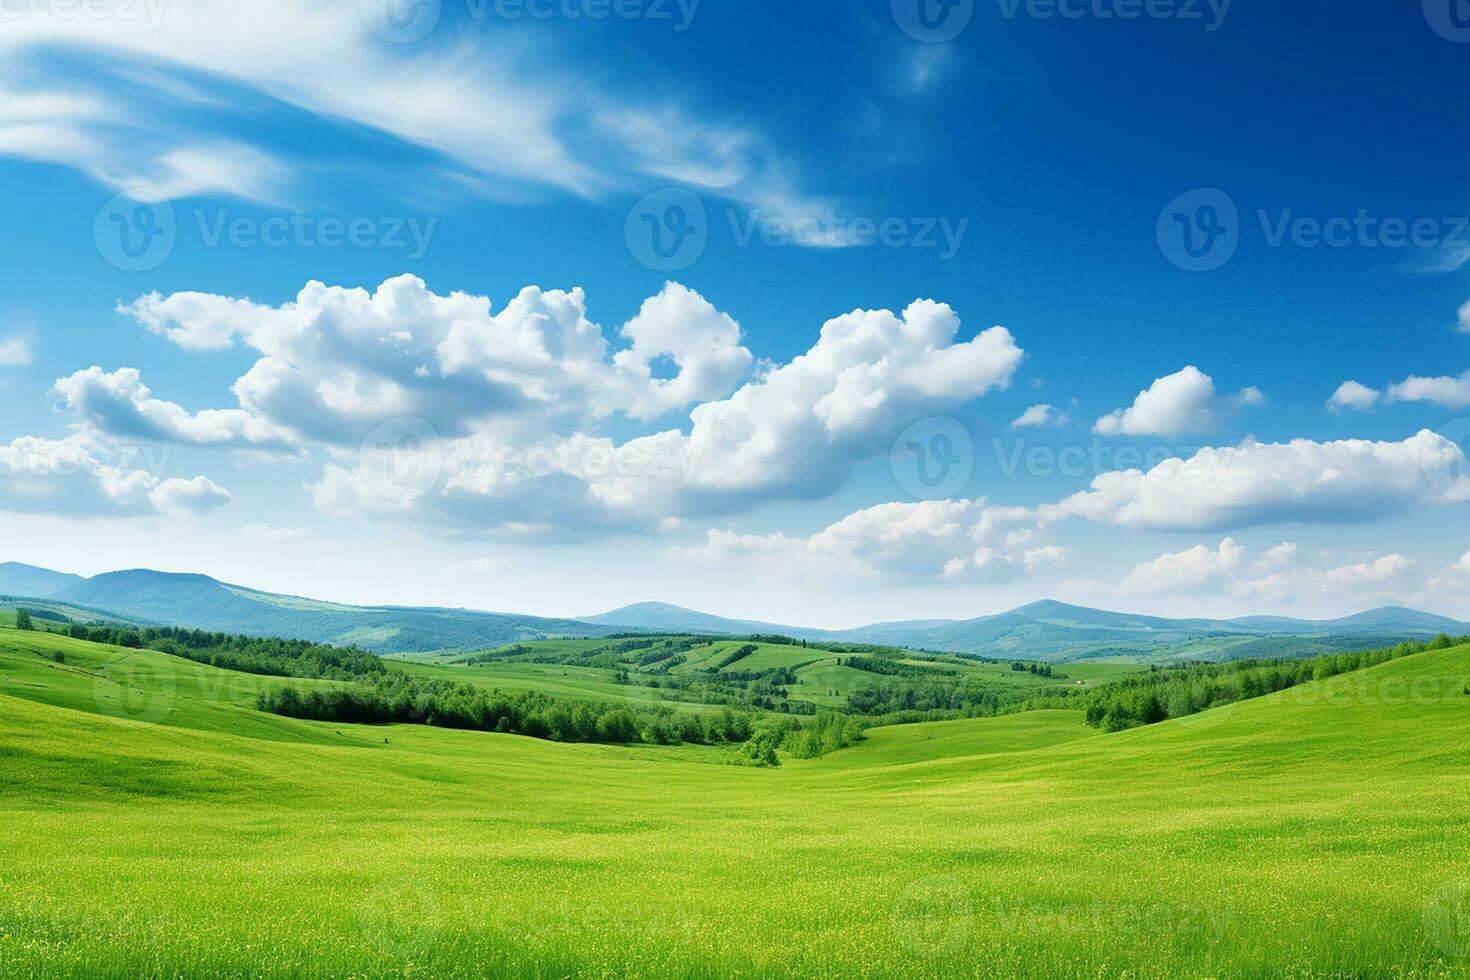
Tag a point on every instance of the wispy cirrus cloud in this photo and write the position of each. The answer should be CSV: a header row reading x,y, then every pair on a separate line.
x,y
490,113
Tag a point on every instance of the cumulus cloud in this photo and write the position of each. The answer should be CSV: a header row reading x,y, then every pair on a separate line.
x,y
1351,394
121,405
1263,483
337,362
1385,575
1454,580
1277,575
1041,416
509,421
18,349
178,497
1450,392
1177,404
1197,571
957,540
85,477
1465,318
798,431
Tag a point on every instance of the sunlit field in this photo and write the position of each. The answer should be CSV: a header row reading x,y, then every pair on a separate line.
x,y
155,823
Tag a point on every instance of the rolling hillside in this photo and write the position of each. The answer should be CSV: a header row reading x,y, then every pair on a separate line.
x,y
1244,841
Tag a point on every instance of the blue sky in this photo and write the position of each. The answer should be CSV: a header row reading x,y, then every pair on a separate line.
x,y
1030,165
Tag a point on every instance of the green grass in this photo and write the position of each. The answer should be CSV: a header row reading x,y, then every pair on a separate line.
x,y
1316,832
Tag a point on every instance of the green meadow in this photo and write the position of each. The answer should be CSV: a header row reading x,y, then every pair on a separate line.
x,y
154,822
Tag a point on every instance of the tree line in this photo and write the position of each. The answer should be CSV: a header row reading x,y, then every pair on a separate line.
x,y
248,654
399,698
1174,692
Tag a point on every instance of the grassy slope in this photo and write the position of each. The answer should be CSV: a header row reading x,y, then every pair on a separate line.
x,y
1299,833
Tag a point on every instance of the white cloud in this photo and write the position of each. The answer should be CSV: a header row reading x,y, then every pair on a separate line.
x,y
1275,575
18,349
794,432
479,566
1454,580
1276,557
1379,577
337,362
179,497
83,476
1177,404
1265,483
797,431
492,111
1351,394
1464,325
956,540
1449,392
121,405
1041,416
1198,571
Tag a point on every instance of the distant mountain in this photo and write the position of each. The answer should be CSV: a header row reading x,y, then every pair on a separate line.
x,y
28,580
1046,630
665,618
1385,619
201,602
1051,630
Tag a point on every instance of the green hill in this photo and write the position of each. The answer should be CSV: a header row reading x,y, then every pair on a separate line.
x,y
154,823
201,602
